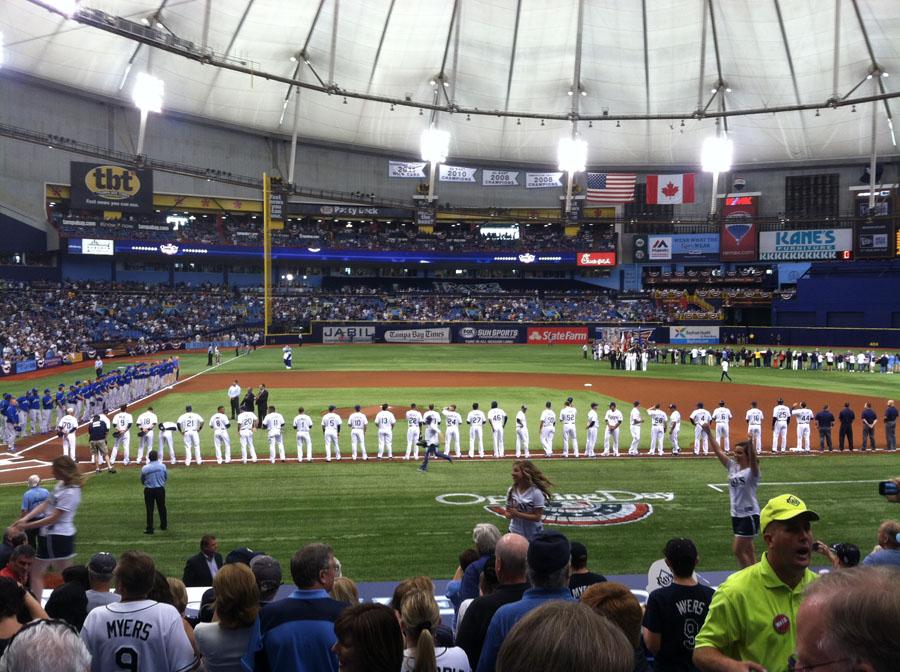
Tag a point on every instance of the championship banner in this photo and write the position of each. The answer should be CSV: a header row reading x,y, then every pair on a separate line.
x,y
739,231
499,178
873,240
595,258
687,335
425,335
542,180
456,173
407,169
565,335
110,187
804,244
670,189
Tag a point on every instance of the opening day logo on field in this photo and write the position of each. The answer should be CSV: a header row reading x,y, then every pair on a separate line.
x,y
601,507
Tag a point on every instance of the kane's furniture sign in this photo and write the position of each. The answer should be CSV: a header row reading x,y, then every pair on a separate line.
x,y
110,187
804,244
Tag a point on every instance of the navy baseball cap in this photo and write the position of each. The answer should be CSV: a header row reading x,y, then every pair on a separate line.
x,y
47,390
549,552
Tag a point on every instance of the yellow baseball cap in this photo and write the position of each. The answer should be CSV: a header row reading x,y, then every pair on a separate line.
x,y
784,507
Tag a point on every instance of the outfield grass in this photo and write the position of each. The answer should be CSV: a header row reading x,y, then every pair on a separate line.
x,y
383,519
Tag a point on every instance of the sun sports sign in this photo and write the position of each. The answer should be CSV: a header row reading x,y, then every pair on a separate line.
x,y
488,335
565,335
597,508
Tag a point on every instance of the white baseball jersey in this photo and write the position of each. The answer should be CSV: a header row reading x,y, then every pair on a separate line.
x,y
635,417
219,422
754,418
190,422
742,490
122,421
141,635
496,416
657,418
567,415
432,435
302,422
804,415
385,420
593,419
548,418
147,420
613,418
67,424
413,418
331,421
675,418
168,427
521,421
476,418
721,415
286,352
246,420
781,413
701,416
357,420
273,422
435,418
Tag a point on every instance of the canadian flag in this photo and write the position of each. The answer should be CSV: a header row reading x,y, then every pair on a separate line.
x,y
670,189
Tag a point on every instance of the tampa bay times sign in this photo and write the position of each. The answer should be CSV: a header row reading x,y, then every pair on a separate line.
x,y
104,186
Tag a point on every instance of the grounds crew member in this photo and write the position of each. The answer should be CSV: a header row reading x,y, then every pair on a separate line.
x,y
97,430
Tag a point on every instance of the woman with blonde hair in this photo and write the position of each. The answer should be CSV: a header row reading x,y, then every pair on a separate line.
x,y
419,616
224,641
526,498
344,590
56,529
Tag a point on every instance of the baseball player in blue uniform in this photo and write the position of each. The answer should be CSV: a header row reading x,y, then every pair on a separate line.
x,y
11,417
59,400
23,405
46,408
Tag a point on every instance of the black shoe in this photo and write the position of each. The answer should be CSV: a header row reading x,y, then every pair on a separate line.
x,y
164,528
148,531
112,470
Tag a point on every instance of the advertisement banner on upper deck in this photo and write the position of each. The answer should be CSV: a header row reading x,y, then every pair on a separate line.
x,y
101,186
873,240
739,232
595,258
804,244
698,334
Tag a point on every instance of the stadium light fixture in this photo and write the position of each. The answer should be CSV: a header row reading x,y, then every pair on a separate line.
x,y
572,157
148,97
716,155
435,146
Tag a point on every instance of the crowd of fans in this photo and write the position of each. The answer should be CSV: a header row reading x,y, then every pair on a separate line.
x,y
246,230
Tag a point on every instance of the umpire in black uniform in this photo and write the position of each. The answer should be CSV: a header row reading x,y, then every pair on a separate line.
x,y
846,418
824,421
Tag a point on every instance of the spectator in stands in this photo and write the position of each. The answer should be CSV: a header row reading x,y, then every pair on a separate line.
x,y
345,590
13,600
848,621
100,574
224,641
267,572
32,497
368,639
165,648
297,633
69,601
619,605
581,578
466,558
511,567
200,569
762,596
46,645
565,637
548,561
12,537
485,536
443,635
675,613
19,566
888,552
419,616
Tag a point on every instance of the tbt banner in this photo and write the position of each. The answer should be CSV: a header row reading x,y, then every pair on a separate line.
x,y
426,335
109,187
407,169
456,174
542,180
670,189
499,178
739,230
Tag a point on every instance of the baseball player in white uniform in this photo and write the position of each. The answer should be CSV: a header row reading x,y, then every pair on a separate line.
x,y
722,416
303,424
634,425
658,421
219,424
804,417
548,428
358,423
331,428
593,424
413,421
122,422
454,422
674,427
65,428
247,423
146,422
699,417
497,417
167,430
385,421
476,421
613,420
190,424
567,417
522,433
754,427
274,424
781,416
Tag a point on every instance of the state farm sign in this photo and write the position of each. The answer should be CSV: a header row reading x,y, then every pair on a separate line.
x,y
566,335
596,258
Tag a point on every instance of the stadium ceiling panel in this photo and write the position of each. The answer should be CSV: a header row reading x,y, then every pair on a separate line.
x,y
637,58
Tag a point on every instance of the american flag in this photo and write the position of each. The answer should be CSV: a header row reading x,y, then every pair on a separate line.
x,y
610,187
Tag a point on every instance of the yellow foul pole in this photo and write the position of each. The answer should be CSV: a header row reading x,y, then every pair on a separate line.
x,y
267,254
